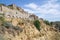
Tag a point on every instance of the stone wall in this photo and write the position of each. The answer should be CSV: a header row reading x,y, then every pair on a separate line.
x,y
13,13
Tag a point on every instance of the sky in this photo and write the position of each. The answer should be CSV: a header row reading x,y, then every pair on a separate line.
x,y
46,9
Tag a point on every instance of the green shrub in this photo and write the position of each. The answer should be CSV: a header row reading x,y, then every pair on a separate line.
x,y
51,23
7,24
47,22
2,19
37,24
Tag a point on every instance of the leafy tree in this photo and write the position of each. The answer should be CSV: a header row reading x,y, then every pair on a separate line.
x,y
37,24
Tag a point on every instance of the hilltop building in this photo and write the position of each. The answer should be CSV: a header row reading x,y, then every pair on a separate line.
x,y
12,11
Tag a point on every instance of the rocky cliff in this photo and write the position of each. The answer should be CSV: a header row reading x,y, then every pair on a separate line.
x,y
13,28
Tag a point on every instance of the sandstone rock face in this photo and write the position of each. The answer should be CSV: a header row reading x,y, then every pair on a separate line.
x,y
31,33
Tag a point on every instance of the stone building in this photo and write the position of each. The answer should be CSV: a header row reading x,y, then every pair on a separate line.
x,y
33,17
12,11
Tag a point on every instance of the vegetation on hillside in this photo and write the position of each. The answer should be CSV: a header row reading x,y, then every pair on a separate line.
x,y
8,25
2,19
48,23
37,24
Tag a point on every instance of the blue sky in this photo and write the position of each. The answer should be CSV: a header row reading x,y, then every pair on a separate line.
x,y
46,9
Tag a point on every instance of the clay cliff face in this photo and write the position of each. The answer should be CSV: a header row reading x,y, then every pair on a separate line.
x,y
22,28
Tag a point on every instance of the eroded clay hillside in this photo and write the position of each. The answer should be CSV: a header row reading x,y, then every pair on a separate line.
x,y
14,27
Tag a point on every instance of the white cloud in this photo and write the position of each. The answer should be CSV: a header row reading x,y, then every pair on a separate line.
x,y
51,7
28,10
32,5
31,11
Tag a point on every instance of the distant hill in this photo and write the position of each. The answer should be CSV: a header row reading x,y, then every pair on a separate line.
x,y
57,24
